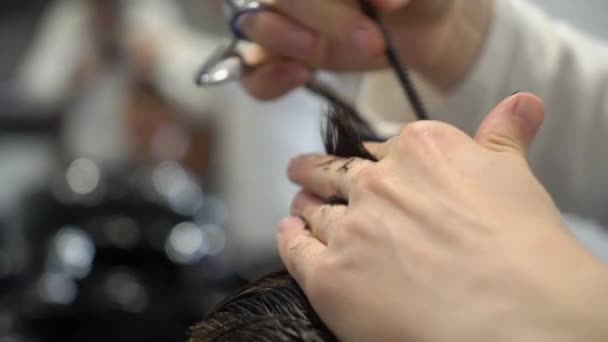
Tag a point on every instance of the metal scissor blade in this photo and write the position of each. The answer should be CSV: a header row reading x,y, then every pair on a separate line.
x,y
245,5
224,65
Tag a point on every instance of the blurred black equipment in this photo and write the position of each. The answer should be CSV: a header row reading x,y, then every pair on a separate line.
x,y
124,252
122,257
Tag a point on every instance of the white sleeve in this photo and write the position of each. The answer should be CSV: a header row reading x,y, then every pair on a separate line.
x,y
527,51
46,73
180,52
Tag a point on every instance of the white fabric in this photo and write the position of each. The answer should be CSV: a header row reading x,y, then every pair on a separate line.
x,y
45,76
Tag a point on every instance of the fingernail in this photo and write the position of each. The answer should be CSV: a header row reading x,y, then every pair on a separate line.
x,y
515,106
289,223
520,108
523,111
299,41
515,93
508,104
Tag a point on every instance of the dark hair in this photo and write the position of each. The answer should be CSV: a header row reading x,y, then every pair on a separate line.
x,y
274,308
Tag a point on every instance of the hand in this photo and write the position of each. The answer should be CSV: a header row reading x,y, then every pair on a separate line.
x,y
446,238
440,38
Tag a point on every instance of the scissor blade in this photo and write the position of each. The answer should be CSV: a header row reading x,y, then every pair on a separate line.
x,y
221,67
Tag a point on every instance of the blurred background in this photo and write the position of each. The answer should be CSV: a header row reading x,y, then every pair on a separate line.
x,y
131,201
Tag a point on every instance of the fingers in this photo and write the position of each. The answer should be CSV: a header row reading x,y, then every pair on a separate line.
x,y
341,22
326,176
298,249
512,125
275,79
317,33
320,217
281,36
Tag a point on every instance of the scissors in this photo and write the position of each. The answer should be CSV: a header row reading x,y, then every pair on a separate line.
x,y
227,64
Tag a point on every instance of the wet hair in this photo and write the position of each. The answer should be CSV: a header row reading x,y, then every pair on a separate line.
x,y
274,308
345,131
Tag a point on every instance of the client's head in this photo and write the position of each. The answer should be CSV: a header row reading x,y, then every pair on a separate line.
x,y
274,308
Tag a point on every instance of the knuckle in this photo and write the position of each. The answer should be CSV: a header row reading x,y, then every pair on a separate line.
x,y
502,143
330,265
370,177
428,140
420,131
354,227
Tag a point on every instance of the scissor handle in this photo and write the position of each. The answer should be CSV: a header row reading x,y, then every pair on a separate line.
x,y
239,8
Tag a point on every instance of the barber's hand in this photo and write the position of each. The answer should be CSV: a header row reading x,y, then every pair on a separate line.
x,y
446,238
440,38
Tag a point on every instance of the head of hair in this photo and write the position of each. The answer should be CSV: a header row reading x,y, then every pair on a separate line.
x,y
274,308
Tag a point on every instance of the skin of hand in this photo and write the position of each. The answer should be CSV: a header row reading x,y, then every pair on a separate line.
x,y
439,38
445,238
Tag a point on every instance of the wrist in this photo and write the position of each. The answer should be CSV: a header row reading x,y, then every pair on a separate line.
x,y
594,306
579,308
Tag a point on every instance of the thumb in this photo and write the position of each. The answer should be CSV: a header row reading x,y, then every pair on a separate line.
x,y
512,125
